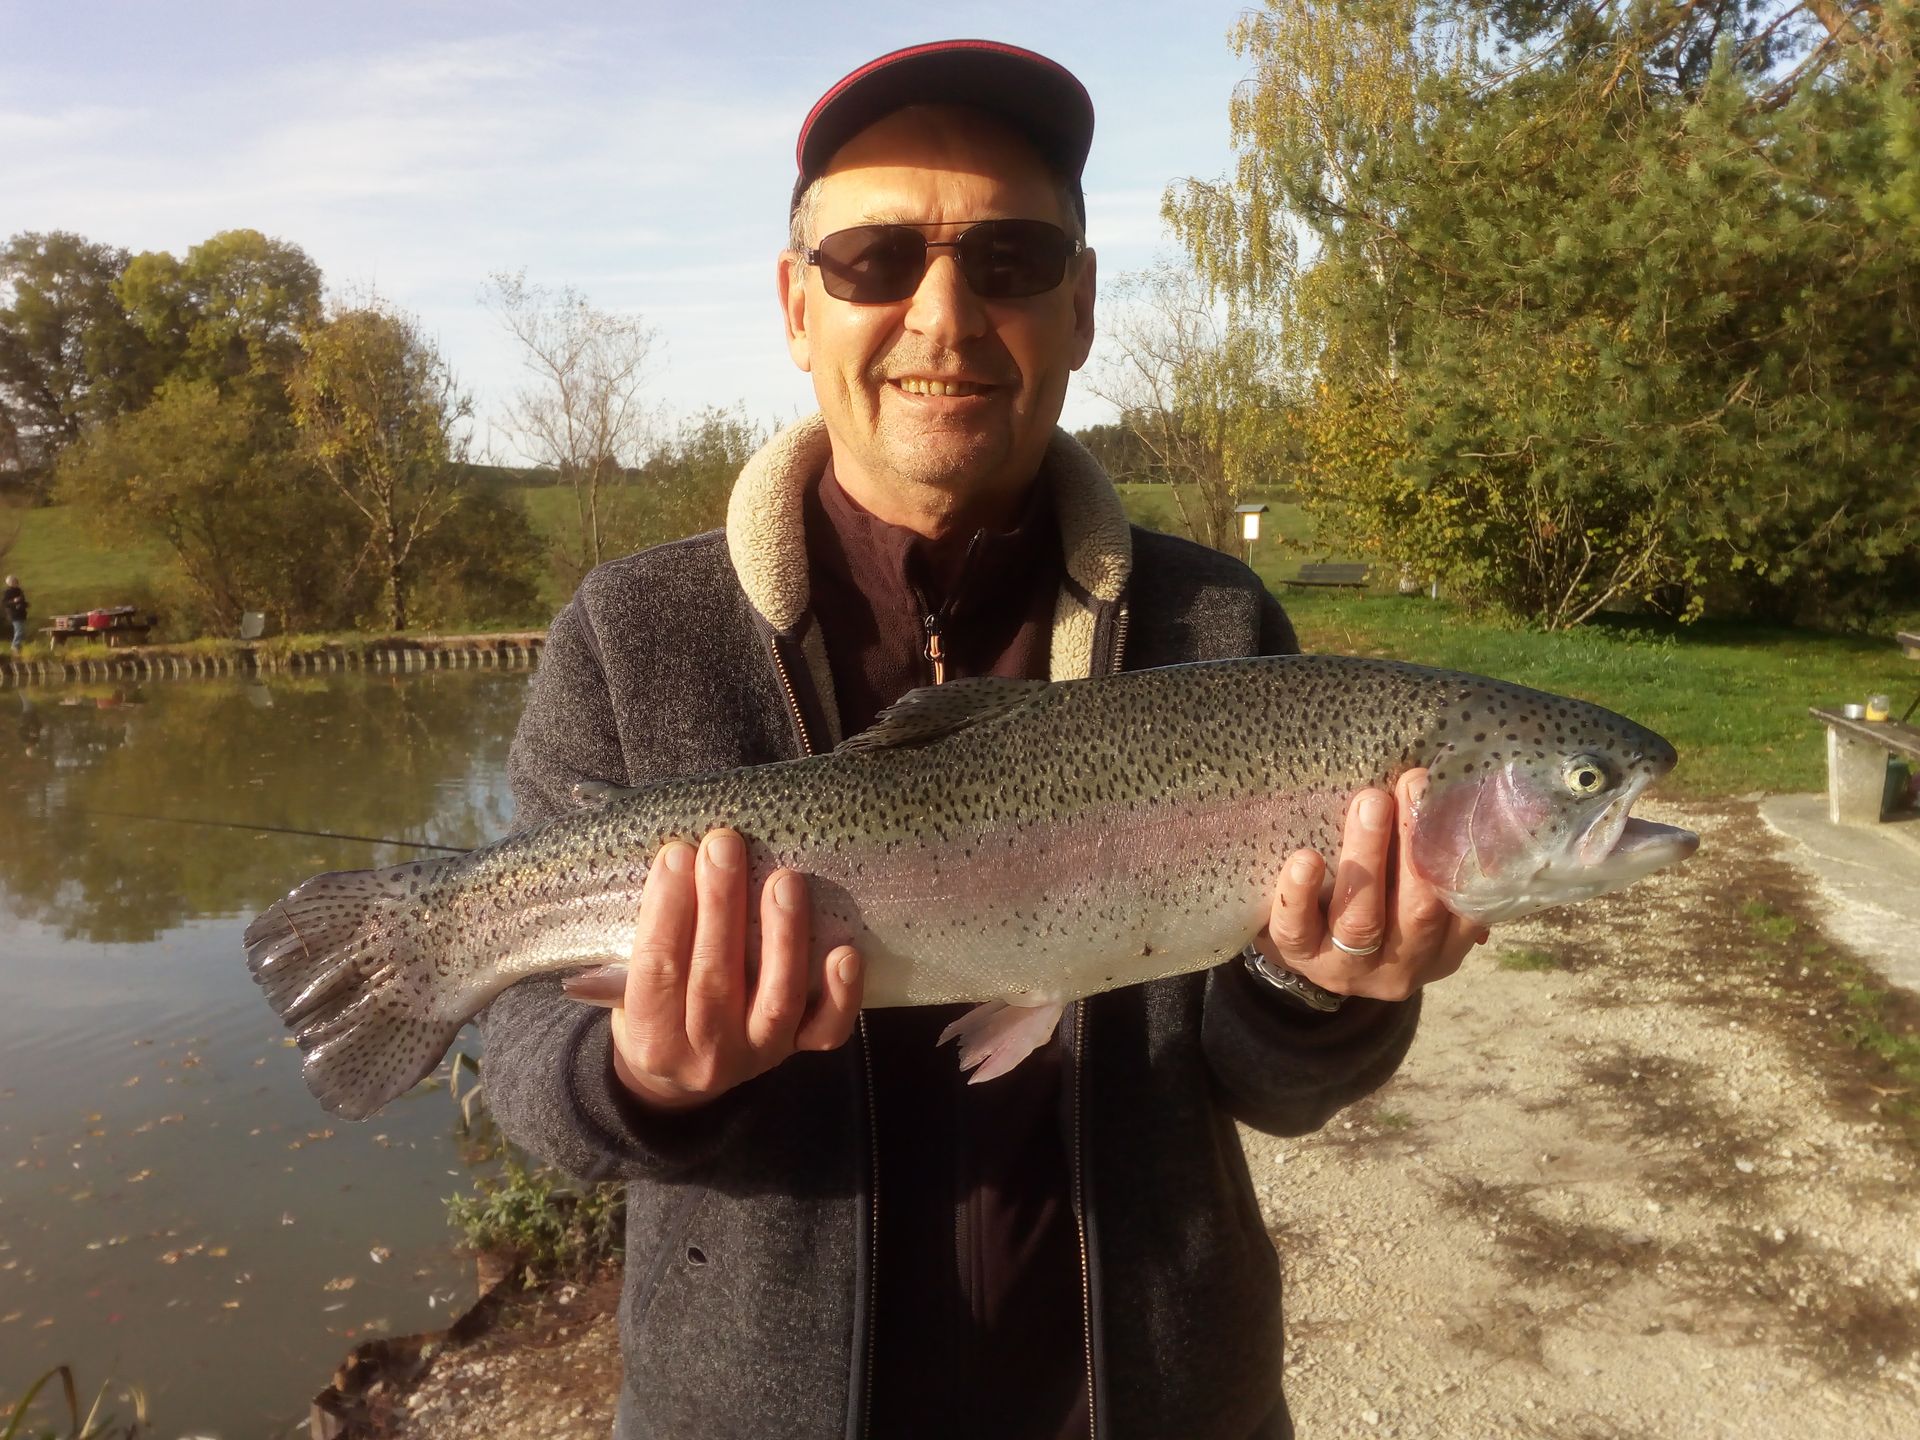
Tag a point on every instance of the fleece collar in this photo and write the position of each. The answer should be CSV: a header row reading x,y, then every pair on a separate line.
x,y
766,535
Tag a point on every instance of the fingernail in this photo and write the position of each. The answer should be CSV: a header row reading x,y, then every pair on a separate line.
x,y
1417,791
1375,811
788,891
677,856
724,850
1301,871
847,967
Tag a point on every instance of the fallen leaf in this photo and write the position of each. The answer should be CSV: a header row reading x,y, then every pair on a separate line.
x,y
380,1254
344,1282
138,1176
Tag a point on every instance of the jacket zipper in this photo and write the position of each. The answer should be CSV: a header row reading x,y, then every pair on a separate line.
x,y
1115,661
793,698
873,1228
1080,1220
935,650
873,1120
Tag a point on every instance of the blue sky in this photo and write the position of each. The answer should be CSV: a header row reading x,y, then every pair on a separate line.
x,y
640,152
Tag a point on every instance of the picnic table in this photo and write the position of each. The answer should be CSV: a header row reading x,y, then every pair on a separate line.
x,y
117,625
1858,750
1331,575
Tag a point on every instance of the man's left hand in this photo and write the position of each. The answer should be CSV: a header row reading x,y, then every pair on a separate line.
x,y
1377,899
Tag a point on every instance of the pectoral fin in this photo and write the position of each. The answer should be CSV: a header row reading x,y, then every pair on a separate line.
x,y
996,1036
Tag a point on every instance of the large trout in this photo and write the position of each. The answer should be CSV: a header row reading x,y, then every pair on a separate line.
x,y
1014,843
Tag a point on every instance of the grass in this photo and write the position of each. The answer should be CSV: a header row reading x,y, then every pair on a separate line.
x,y
1874,1018
1732,697
1522,958
65,568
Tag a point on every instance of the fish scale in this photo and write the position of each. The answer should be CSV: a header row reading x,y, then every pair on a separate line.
x,y
1013,843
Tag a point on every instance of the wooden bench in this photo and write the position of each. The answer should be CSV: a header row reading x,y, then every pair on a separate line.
x,y
1857,752
1911,644
1330,575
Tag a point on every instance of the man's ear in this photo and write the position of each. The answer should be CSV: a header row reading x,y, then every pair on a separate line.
x,y
793,307
1084,288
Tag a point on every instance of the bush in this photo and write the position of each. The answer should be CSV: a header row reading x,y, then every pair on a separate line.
x,y
546,1223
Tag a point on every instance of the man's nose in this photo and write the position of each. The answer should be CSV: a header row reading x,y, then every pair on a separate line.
x,y
944,307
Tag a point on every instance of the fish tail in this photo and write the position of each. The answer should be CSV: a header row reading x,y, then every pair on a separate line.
x,y
340,961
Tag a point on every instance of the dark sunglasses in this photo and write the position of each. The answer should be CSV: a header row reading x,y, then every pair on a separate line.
x,y
1001,259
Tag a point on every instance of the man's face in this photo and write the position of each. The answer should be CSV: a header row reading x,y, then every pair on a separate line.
x,y
916,458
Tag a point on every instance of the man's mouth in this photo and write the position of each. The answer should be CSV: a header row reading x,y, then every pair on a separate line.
x,y
923,385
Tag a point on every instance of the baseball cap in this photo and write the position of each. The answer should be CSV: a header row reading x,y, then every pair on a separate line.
x,y
1037,96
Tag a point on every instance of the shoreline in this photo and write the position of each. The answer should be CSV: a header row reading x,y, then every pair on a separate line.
x,y
200,659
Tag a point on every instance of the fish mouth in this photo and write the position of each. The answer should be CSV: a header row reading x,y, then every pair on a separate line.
x,y
1652,845
1619,842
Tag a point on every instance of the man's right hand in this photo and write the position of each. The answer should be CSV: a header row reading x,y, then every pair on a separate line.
x,y
687,1030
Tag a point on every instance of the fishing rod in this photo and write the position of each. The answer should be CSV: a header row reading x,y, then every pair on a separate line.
x,y
278,830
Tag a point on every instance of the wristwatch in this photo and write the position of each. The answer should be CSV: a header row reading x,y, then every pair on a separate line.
x,y
1290,983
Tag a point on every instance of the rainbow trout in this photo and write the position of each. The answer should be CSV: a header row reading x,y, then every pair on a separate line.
x,y
1013,843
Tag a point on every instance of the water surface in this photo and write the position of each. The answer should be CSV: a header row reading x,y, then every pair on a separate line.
x,y
175,1209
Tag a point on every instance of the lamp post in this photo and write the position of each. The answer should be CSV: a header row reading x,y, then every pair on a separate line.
x,y
1250,526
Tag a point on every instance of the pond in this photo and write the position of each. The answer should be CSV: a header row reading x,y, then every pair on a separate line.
x,y
175,1210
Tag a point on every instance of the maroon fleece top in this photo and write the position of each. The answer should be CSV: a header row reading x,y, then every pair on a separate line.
x,y
979,1326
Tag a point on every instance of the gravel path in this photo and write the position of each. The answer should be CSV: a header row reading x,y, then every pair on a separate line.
x,y
1642,1191
1633,1183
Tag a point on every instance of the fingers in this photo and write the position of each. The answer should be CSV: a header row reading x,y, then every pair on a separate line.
x,y
716,971
1379,904
1295,925
655,1008
1357,916
834,1014
780,996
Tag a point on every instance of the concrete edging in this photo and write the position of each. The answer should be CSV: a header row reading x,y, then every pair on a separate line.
x,y
517,650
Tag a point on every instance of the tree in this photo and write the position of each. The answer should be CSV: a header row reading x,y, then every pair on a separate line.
x,y
247,526
380,416
683,486
585,414
232,312
1195,386
69,356
1600,303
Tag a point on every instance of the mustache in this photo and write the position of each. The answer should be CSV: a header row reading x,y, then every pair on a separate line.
x,y
989,365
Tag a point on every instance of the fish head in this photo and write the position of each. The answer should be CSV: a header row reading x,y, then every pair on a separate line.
x,y
1528,804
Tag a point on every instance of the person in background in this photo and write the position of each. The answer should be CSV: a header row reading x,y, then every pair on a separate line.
x,y
13,600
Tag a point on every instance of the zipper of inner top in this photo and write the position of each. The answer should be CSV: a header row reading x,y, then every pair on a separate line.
x,y
873,1119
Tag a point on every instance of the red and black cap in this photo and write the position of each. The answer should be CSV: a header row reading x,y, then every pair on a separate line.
x,y
1038,97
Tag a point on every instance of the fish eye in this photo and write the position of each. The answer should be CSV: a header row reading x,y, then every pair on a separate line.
x,y
1585,775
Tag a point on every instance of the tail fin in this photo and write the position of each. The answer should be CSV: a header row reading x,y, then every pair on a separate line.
x,y
340,963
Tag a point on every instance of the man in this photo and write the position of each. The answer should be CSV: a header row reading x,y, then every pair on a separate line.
x,y
13,600
828,1232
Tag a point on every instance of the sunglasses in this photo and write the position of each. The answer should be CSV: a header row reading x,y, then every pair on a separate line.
x,y
1001,259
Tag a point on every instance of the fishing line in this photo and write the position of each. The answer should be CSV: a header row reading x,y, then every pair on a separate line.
x,y
279,830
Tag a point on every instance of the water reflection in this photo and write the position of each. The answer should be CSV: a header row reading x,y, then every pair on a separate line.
x,y
175,1209
414,757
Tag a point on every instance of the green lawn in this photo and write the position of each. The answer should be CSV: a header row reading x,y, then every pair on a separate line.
x,y
1732,697
63,568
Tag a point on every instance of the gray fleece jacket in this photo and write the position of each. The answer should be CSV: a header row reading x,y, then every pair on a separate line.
x,y
749,1262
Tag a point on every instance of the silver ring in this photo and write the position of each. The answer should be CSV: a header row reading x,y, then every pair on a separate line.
x,y
1346,949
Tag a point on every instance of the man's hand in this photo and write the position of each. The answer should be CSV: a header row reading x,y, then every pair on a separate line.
x,y
688,1031
1419,939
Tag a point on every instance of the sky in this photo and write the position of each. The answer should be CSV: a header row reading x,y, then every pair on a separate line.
x,y
641,153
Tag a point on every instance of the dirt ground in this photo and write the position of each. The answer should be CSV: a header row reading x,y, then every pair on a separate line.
x,y
1633,1183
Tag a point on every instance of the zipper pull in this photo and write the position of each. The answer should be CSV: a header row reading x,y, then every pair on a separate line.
x,y
934,650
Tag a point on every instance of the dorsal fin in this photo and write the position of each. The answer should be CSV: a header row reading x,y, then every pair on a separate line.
x,y
926,714
591,794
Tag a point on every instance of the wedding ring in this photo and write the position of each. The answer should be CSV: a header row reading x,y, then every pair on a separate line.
x,y
1346,949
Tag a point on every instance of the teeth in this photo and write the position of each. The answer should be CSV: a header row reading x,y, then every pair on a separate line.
x,y
913,385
